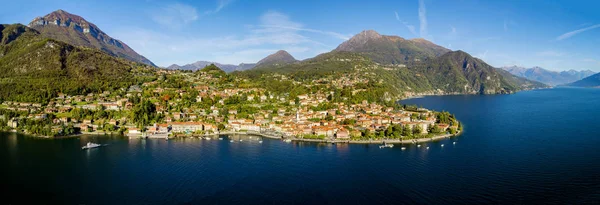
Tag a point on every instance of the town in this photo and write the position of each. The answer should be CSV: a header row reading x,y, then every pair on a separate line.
x,y
209,101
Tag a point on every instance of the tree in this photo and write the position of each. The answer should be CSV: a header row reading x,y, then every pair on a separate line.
x,y
143,113
417,130
406,131
221,127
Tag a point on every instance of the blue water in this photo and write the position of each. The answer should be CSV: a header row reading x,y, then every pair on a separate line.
x,y
530,147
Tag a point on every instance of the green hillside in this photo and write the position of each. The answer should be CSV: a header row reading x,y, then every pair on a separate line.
x,y
34,69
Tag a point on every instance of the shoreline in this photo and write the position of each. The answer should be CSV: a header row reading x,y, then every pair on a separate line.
x,y
387,141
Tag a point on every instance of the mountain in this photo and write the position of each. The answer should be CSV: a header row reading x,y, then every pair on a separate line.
x,y
455,72
201,64
391,49
591,81
34,68
279,57
548,77
77,31
459,72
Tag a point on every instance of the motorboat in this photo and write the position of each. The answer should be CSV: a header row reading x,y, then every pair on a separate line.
x,y
91,145
385,145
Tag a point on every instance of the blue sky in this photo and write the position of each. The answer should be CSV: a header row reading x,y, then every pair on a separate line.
x,y
557,35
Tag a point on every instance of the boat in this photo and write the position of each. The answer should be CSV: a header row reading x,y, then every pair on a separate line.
x,y
91,145
403,148
442,145
208,138
454,143
230,140
260,141
385,145
418,145
427,147
220,138
287,140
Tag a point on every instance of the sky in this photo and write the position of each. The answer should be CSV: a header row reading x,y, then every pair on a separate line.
x,y
556,35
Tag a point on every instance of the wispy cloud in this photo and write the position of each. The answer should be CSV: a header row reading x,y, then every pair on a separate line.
x,y
453,33
550,53
272,32
575,32
278,22
178,15
222,4
410,27
423,19
175,15
482,55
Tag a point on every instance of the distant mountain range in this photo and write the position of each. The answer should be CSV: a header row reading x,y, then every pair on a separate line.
x,y
201,64
548,77
279,57
591,81
77,31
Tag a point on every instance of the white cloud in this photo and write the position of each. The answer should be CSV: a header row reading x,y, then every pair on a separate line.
x,y
575,32
222,4
423,19
410,27
175,15
273,31
178,15
273,21
483,55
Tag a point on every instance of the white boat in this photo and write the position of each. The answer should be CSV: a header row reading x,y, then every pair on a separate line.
x,y
208,138
385,145
90,145
442,145
287,140
427,147
418,145
403,148
241,140
220,138
230,140
260,141
454,143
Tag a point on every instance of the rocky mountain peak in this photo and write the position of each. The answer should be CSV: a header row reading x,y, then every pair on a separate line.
x,y
65,19
75,30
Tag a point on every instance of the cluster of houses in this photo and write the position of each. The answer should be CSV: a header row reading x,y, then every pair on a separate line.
x,y
299,116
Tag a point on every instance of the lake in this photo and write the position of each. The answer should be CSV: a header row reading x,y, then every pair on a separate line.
x,y
532,146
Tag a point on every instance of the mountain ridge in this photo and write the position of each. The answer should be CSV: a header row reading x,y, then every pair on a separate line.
x,y
590,81
391,49
549,77
75,30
